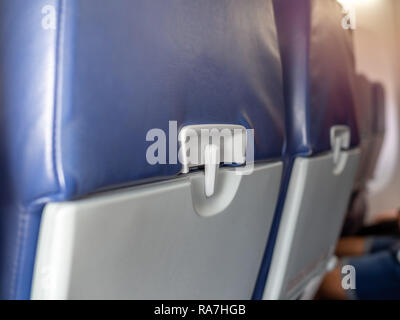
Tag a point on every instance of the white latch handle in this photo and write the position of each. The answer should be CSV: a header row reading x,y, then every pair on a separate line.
x,y
211,155
210,145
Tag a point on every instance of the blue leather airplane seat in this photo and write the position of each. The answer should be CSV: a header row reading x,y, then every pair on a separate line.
x,y
83,82
322,152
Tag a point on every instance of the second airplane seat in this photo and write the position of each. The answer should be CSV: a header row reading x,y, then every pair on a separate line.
x,y
322,150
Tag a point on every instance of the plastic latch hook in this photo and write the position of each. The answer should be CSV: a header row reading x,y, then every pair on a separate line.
x,y
209,146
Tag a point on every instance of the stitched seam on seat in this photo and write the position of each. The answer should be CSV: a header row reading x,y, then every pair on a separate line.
x,y
57,162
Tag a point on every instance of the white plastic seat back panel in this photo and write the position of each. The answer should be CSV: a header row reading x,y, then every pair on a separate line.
x,y
311,221
150,242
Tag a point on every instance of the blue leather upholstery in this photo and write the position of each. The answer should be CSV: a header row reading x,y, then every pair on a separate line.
x,y
138,65
319,88
28,175
76,102
319,73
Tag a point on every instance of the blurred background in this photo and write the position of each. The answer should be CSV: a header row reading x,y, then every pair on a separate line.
x,y
377,50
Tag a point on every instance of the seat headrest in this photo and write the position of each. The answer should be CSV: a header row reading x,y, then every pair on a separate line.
x,y
318,72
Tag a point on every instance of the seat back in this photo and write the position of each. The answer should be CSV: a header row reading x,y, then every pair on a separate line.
x,y
90,92
319,80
